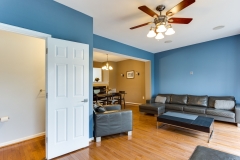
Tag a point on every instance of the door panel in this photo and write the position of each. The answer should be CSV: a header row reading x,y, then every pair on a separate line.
x,y
67,125
79,80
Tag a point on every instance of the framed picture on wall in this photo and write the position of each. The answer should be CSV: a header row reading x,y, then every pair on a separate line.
x,y
130,74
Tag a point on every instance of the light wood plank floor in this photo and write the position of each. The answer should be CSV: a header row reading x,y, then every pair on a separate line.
x,y
147,142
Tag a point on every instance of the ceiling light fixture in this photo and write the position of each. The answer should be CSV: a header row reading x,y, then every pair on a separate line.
x,y
161,26
218,27
107,66
168,41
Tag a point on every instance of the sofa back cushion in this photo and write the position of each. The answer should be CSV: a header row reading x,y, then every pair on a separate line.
x,y
211,99
178,99
198,100
168,97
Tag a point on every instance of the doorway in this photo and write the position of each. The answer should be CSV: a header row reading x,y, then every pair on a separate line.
x,y
22,86
67,80
137,87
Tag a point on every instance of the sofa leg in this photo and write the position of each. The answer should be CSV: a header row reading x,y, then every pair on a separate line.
x,y
129,133
98,139
238,124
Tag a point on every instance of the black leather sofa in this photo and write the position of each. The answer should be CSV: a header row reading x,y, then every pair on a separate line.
x,y
198,105
112,121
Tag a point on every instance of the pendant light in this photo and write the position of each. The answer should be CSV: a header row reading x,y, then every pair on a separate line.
x,y
107,66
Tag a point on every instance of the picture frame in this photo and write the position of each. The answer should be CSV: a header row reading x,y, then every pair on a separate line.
x,y
130,75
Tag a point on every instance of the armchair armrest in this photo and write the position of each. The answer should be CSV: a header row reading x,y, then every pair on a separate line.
x,y
112,122
152,100
237,112
112,107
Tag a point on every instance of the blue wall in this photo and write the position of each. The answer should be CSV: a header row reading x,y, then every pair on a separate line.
x,y
55,19
114,46
215,66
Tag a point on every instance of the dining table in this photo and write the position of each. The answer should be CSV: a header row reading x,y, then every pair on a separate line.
x,y
108,96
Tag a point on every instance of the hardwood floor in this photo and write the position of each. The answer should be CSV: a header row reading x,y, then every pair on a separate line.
x,y
147,142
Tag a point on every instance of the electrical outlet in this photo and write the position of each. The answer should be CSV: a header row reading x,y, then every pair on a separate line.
x,y
191,72
143,97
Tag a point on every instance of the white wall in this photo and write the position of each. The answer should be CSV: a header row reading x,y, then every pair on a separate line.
x,y
97,73
22,75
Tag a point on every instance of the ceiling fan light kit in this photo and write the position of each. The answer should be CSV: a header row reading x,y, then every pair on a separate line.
x,y
162,21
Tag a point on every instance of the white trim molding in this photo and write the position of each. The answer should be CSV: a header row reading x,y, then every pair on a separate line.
x,y
23,31
91,139
22,139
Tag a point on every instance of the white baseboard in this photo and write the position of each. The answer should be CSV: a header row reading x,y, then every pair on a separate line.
x,y
133,103
22,139
91,139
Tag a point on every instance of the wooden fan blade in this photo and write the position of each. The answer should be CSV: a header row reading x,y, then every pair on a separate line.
x,y
148,11
180,6
141,25
180,20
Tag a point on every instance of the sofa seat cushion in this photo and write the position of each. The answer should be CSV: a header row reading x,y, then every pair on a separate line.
x,y
220,113
177,107
152,106
194,109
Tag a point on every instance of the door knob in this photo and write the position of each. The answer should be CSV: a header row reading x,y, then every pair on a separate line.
x,y
85,100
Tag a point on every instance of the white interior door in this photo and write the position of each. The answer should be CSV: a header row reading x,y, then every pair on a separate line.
x,y
67,124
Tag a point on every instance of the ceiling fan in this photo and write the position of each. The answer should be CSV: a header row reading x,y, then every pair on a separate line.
x,y
162,21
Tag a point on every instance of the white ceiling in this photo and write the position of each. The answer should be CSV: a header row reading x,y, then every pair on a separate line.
x,y
102,57
112,19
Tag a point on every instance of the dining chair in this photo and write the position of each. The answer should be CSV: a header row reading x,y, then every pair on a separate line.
x,y
123,96
114,97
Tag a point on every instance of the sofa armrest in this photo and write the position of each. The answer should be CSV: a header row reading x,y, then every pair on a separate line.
x,y
112,107
112,122
237,112
152,100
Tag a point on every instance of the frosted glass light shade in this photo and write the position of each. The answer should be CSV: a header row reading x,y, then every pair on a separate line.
x,y
104,67
159,36
151,33
170,31
161,28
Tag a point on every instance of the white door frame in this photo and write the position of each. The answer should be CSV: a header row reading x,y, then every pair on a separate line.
x,y
31,33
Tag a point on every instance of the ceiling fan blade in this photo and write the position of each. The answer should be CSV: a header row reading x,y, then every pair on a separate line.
x,y
180,6
180,20
141,25
147,11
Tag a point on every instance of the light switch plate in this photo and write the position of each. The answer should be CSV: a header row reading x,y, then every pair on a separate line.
x,y
191,72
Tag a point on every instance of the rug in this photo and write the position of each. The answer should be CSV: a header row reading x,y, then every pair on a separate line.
x,y
203,153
